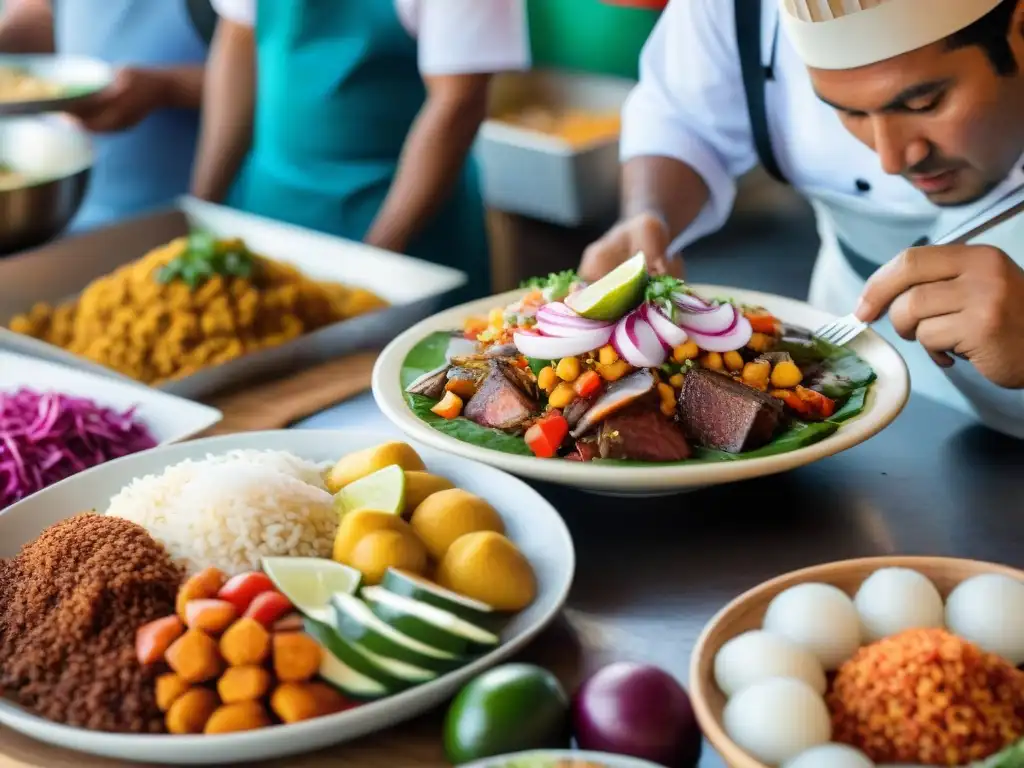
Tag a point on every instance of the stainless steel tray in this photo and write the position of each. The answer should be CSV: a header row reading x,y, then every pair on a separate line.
x,y
61,270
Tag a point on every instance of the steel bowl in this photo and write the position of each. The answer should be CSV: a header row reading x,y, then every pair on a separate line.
x,y
56,157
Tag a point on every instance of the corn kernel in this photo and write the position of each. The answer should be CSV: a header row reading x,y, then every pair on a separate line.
x,y
760,342
496,317
607,355
547,378
667,408
614,371
786,375
568,369
667,393
677,381
756,372
562,395
686,351
712,361
733,361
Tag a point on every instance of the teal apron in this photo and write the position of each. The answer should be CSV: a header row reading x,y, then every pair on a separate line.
x,y
338,89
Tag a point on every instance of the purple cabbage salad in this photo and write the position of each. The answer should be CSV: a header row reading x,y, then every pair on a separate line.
x,y
48,436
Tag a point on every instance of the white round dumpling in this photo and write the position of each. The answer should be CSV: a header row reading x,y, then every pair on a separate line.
x,y
759,655
818,617
775,720
988,610
830,756
892,600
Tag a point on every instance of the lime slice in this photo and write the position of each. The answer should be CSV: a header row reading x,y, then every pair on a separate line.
x,y
614,294
309,582
383,490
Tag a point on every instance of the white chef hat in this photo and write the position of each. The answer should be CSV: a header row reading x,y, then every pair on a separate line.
x,y
845,34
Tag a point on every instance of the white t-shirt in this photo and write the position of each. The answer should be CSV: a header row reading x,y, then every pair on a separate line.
x,y
455,37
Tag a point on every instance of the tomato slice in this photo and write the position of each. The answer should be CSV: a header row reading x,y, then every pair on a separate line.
x,y
268,608
546,435
242,589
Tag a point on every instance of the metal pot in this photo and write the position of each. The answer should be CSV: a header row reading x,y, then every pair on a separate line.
x,y
56,157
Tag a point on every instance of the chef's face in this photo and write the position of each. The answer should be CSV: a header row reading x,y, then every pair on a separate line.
x,y
942,117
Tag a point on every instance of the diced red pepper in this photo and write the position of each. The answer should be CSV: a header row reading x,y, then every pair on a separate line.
x,y
546,435
242,589
763,322
268,608
587,384
806,402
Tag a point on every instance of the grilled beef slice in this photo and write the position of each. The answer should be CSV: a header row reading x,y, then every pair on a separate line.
x,y
500,402
717,412
430,384
640,432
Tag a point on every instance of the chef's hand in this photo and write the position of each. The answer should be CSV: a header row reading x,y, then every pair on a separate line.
x,y
133,95
644,232
962,300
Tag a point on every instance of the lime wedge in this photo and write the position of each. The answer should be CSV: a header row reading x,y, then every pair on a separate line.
x,y
309,582
614,294
383,490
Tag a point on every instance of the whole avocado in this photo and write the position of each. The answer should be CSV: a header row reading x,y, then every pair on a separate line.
x,y
511,708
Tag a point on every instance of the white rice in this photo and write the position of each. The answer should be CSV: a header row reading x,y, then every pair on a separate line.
x,y
232,509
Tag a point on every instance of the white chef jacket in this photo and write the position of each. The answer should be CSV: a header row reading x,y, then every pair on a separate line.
x,y
454,37
690,105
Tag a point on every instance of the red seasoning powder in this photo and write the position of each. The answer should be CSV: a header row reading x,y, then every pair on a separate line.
x,y
70,604
929,697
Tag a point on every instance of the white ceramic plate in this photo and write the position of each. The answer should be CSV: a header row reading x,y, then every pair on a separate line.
x,y
78,76
545,757
886,399
531,522
168,418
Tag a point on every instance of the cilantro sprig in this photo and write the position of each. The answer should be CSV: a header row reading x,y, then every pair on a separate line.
x,y
205,257
555,286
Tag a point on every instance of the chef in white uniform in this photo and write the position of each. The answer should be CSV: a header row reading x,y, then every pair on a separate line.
x,y
897,119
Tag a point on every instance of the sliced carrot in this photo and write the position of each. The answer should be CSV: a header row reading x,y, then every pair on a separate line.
x,y
762,322
153,639
210,615
587,384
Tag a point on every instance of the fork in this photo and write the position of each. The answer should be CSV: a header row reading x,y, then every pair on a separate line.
x,y
843,330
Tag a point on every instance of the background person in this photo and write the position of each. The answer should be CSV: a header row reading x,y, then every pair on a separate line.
x,y
360,116
146,124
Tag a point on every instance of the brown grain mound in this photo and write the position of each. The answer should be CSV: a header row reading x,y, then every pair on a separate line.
x,y
70,604
927,696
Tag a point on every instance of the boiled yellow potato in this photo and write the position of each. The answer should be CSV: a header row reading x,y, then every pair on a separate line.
x,y
379,550
369,460
488,567
446,515
358,524
419,485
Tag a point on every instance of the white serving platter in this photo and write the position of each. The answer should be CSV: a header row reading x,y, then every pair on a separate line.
x,y
885,401
168,418
60,271
531,522
78,77
560,758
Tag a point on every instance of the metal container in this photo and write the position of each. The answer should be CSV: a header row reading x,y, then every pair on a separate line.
x,y
60,271
55,157
533,174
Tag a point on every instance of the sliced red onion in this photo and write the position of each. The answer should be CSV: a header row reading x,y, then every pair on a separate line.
x,y
721,320
556,347
735,338
671,335
556,319
691,303
637,343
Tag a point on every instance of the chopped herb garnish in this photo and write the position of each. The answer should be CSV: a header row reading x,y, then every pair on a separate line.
x,y
555,286
204,256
